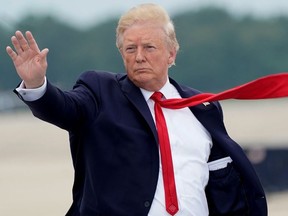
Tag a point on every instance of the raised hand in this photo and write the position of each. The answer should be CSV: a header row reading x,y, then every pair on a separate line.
x,y
29,61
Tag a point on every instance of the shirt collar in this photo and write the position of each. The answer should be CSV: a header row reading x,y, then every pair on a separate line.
x,y
167,90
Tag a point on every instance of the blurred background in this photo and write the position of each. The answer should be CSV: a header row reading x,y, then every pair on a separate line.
x,y
223,43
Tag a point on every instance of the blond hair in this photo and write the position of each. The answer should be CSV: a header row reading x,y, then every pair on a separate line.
x,y
145,13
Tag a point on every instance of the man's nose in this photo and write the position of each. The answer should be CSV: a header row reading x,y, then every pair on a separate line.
x,y
140,57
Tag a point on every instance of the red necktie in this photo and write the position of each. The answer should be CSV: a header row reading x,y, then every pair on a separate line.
x,y
272,86
166,157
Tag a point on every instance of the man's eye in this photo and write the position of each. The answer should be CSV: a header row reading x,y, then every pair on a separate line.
x,y
130,49
150,48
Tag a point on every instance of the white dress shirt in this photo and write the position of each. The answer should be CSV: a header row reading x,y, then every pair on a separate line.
x,y
190,146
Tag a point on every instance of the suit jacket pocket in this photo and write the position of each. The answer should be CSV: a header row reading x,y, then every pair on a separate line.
x,y
225,193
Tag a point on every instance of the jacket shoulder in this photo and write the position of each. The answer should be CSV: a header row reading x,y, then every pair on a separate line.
x,y
98,74
98,77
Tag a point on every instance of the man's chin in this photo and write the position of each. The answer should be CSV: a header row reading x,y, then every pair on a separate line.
x,y
147,84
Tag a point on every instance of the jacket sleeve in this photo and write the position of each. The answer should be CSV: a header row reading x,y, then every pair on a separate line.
x,y
66,109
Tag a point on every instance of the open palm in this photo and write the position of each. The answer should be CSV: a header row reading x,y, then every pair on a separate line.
x,y
29,61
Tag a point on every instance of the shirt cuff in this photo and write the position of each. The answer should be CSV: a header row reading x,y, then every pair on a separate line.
x,y
31,94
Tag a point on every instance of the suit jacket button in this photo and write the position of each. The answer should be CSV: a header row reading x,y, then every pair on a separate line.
x,y
147,204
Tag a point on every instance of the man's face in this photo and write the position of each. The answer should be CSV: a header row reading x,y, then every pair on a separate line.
x,y
146,55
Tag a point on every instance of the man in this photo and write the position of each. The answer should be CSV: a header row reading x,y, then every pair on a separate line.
x,y
112,127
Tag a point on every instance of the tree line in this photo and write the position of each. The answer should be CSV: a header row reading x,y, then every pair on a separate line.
x,y
217,49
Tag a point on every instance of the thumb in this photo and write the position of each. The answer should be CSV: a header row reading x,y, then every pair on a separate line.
x,y
43,56
44,53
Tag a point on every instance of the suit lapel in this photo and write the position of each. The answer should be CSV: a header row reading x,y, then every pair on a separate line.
x,y
198,110
135,96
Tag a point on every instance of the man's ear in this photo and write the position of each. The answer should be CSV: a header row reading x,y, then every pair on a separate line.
x,y
172,57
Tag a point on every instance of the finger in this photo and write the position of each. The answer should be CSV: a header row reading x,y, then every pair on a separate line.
x,y
22,41
43,56
16,44
32,42
44,53
11,53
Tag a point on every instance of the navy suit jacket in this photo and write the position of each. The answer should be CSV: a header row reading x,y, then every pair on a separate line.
x,y
114,149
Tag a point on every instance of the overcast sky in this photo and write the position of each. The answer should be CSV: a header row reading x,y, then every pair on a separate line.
x,y
87,12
